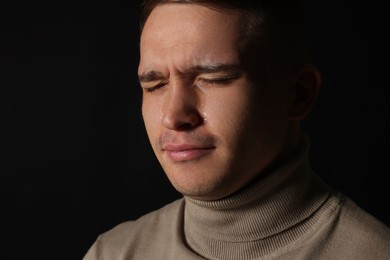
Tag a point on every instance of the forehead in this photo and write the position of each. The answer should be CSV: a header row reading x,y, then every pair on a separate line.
x,y
189,31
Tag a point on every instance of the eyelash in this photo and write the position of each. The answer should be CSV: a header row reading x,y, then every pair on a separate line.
x,y
154,88
221,81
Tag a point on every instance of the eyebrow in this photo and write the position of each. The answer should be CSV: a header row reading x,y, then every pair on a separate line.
x,y
215,68
150,76
153,75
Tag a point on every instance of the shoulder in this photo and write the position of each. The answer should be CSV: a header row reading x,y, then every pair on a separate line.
x,y
360,233
365,225
154,222
144,231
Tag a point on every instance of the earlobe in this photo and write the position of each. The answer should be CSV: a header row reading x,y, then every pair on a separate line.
x,y
306,88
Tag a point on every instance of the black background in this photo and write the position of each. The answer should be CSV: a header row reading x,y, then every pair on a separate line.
x,y
75,159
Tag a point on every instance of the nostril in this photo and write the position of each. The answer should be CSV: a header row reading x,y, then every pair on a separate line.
x,y
182,119
194,121
186,126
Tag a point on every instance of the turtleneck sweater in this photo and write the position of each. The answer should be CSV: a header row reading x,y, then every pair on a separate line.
x,y
286,213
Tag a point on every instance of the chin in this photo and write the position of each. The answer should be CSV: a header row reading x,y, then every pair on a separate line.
x,y
200,192
200,184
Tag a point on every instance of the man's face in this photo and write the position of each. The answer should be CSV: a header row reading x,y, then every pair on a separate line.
x,y
211,128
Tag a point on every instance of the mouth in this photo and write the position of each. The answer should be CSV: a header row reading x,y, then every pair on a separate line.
x,y
187,152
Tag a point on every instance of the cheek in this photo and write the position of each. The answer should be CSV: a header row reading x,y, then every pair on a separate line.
x,y
151,114
227,112
238,115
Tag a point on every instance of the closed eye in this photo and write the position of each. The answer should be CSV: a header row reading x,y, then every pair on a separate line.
x,y
155,87
218,81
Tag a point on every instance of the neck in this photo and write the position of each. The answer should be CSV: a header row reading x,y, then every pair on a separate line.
x,y
259,213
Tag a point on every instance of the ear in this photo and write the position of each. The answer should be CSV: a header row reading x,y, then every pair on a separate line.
x,y
305,91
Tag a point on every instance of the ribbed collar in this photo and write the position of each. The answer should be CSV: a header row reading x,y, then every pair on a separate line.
x,y
253,222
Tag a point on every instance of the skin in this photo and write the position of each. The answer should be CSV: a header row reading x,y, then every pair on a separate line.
x,y
212,128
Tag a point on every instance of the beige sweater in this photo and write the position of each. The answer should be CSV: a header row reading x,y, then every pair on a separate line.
x,y
289,213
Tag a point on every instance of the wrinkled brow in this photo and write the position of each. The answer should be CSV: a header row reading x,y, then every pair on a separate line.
x,y
154,75
214,68
150,76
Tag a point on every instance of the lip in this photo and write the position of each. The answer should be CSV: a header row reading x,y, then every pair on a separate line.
x,y
186,152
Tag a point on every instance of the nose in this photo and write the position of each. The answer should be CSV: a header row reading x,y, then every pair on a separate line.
x,y
181,108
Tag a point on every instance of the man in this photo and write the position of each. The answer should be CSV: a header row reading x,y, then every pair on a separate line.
x,y
225,86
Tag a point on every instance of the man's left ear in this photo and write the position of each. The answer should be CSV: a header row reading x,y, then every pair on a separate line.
x,y
305,90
